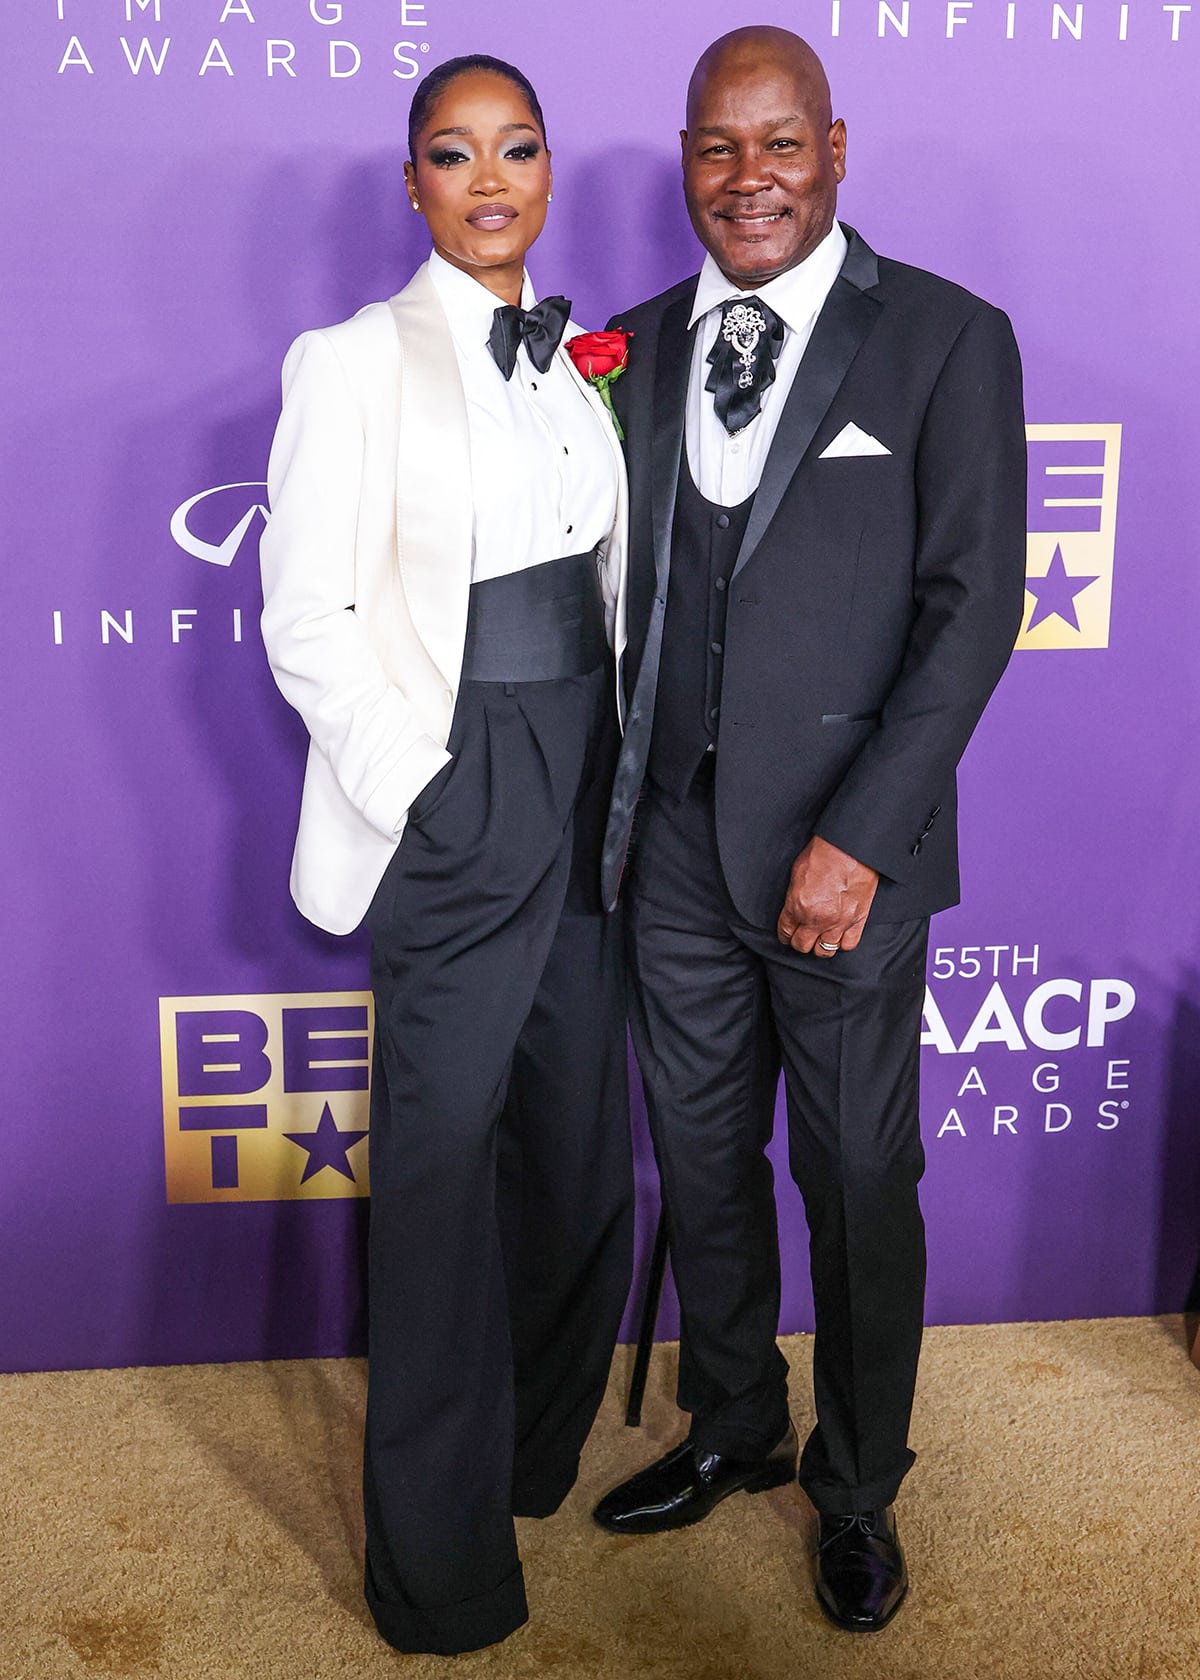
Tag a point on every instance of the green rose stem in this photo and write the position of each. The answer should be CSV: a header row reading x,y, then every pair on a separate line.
x,y
602,381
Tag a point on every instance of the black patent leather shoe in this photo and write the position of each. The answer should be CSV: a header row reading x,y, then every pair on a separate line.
x,y
861,1576
683,1487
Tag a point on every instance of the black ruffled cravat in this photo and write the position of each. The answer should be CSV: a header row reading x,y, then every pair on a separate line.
x,y
743,360
540,329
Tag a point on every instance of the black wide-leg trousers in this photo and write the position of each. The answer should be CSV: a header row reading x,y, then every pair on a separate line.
x,y
718,1008
501,1182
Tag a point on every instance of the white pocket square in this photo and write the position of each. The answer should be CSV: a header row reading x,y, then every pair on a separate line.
x,y
852,440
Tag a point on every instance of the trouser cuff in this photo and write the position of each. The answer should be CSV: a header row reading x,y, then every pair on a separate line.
x,y
451,1628
744,1445
832,1499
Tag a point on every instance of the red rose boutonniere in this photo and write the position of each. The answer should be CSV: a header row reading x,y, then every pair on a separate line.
x,y
602,357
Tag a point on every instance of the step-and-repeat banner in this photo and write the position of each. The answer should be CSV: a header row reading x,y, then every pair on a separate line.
x,y
189,183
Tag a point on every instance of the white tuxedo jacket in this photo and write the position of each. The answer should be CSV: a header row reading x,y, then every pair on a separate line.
x,y
366,570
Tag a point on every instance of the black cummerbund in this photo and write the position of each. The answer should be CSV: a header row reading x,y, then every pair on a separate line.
x,y
536,625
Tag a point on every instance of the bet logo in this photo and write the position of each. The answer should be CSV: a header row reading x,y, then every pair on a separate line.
x,y
266,1097
1071,535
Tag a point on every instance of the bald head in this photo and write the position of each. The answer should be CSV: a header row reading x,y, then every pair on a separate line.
x,y
762,155
761,47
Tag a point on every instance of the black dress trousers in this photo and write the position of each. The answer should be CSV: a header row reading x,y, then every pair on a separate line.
x,y
717,1008
501,1181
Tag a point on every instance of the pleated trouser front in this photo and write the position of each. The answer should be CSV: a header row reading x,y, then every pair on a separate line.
x,y
501,1184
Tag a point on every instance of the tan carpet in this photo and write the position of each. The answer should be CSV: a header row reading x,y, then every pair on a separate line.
x,y
202,1524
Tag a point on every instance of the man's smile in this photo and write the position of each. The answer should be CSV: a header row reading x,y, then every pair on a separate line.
x,y
756,218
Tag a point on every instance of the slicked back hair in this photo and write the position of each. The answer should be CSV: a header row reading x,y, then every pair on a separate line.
x,y
430,86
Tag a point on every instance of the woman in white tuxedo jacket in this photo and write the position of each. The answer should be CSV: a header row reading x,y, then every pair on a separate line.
x,y
443,576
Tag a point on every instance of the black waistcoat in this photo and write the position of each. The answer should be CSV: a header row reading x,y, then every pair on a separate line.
x,y
704,547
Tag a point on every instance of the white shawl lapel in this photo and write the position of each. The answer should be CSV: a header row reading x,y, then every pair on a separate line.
x,y
433,476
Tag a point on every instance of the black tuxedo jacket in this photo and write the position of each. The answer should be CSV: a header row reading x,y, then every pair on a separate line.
x,y
875,599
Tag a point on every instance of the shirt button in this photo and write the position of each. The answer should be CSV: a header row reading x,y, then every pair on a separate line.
x,y
719,584
723,521
566,451
716,647
735,448
533,384
570,528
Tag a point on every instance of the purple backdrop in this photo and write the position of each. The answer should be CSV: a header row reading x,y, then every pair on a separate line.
x,y
174,213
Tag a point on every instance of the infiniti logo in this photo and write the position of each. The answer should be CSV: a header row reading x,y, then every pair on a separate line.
x,y
213,511
213,526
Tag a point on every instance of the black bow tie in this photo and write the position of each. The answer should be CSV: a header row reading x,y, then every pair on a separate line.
x,y
539,328
743,360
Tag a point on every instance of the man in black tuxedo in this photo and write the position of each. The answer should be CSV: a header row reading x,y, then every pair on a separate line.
x,y
827,479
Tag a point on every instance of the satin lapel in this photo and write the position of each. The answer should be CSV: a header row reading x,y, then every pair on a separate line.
x,y
842,325
433,477
672,365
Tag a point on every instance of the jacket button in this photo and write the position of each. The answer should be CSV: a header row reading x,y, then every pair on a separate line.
x,y
716,647
719,583
722,522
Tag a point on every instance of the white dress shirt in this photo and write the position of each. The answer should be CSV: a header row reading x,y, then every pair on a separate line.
x,y
543,478
727,468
